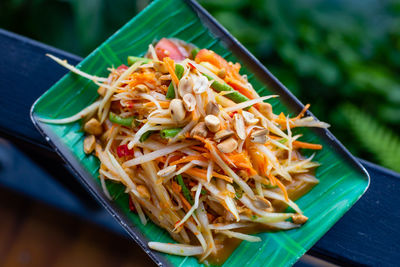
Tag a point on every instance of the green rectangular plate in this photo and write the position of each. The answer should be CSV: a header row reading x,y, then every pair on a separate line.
x,y
342,179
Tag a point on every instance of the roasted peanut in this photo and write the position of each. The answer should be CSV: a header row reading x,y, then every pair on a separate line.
x,y
189,102
223,134
249,118
165,77
185,86
200,129
228,146
177,110
266,110
143,191
299,219
213,123
89,144
93,126
212,108
262,203
141,88
200,84
160,66
239,126
260,136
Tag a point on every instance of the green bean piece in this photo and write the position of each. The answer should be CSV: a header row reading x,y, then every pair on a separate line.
x,y
145,136
132,60
179,72
179,69
185,190
194,52
114,118
268,186
238,191
282,141
235,96
169,133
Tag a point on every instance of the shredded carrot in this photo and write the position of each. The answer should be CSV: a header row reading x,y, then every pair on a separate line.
x,y
176,157
242,160
298,144
171,69
283,188
199,149
301,114
272,179
206,155
177,189
163,104
205,55
238,86
281,119
275,137
203,174
141,78
188,159
210,146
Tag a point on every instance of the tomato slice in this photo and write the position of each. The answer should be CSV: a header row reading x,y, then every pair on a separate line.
x,y
122,67
167,48
211,57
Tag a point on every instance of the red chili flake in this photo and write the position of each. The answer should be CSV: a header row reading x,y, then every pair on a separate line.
x,y
131,206
129,104
123,150
232,113
191,65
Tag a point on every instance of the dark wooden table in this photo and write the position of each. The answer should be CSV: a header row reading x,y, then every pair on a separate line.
x,y
369,234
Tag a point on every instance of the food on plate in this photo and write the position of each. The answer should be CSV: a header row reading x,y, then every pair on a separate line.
x,y
200,153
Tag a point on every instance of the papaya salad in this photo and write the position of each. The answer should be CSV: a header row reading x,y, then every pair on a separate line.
x,y
200,153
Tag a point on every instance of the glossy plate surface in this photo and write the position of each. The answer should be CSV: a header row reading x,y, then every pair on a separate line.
x,y
342,179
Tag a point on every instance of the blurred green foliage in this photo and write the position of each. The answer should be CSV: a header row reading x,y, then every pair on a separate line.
x,y
342,56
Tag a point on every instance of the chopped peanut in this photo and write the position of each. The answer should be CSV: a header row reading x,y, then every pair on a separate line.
x,y
93,126
189,102
160,66
260,136
223,134
212,108
213,123
228,146
177,110
299,219
89,144
143,191
266,110
200,129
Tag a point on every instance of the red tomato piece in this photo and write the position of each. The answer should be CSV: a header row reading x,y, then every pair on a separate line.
x,y
167,48
122,67
123,150
209,56
131,205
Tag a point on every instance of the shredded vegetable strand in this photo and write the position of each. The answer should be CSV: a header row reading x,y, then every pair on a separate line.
x,y
198,151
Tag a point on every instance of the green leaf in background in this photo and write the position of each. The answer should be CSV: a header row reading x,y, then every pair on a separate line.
x,y
328,52
374,137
